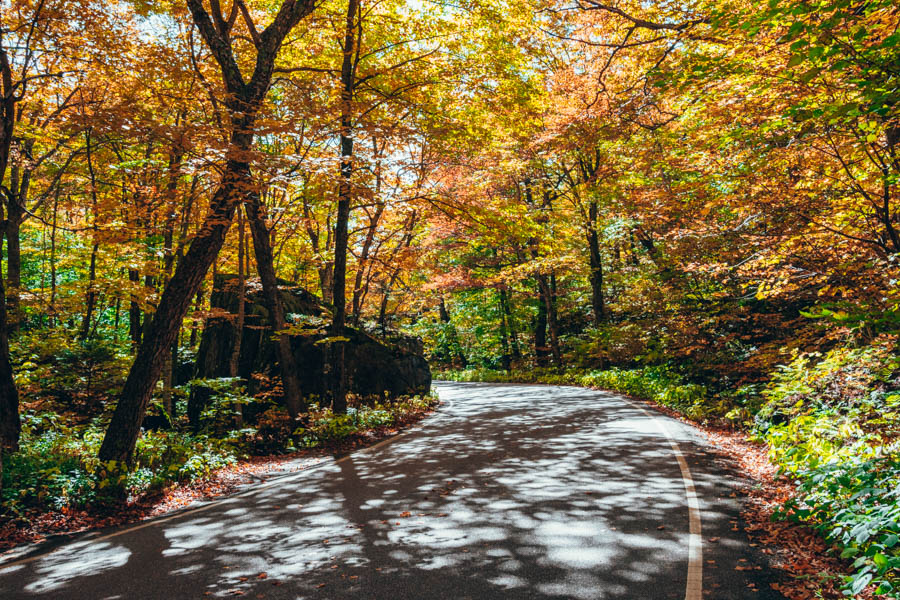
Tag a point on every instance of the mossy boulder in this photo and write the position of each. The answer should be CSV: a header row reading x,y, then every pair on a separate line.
x,y
393,365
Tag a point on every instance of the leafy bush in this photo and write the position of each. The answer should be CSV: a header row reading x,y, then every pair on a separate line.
x,y
325,427
54,363
56,466
844,379
830,423
852,501
221,406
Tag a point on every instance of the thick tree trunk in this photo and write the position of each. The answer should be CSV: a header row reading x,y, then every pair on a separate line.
x,y
345,192
10,425
265,266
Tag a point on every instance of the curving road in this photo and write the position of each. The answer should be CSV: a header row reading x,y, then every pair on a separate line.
x,y
508,491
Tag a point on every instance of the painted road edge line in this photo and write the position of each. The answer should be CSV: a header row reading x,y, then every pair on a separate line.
x,y
694,588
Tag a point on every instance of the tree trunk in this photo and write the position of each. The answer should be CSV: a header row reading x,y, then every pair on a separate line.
x,y
506,305
243,103
358,294
504,338
10,425
174,172
14,218
540,329
52,310
265,266
596,265
234,361
90,298
345,191
548,296
134,311
363,261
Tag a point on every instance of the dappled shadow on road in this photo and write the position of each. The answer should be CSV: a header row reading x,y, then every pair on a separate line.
x,y
510,492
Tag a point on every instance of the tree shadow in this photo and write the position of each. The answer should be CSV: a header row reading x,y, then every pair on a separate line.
x,y
509,492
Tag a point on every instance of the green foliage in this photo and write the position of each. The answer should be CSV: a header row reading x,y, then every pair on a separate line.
x,y
225,398
829,422
324,427
851,381
54,363
52,467
56,466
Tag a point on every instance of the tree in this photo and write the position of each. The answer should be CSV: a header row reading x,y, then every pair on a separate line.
x,y
243,103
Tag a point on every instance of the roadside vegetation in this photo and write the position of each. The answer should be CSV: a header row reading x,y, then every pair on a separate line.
x,y
57,468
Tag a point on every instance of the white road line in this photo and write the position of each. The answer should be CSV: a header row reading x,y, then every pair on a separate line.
x,y
694,589
276,480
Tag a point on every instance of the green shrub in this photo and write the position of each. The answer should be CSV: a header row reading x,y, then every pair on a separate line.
x,y
829,422
56,465
325,427
54,363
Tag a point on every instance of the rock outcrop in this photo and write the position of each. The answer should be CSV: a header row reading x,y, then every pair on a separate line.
x,y
375,366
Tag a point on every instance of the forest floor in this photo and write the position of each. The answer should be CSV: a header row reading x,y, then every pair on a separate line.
x,y
40,525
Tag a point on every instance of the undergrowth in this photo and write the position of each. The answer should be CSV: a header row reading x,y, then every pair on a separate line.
x,y
56,467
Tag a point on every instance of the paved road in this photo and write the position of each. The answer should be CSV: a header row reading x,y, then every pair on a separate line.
x,y
508,491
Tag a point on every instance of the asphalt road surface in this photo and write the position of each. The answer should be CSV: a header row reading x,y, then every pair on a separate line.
x,y
507,491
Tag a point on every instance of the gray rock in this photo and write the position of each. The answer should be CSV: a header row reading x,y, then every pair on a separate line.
x,y
389,366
